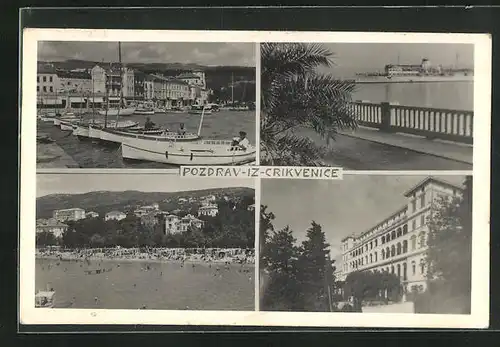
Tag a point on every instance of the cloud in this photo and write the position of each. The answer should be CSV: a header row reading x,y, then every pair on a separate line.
x,y
203,53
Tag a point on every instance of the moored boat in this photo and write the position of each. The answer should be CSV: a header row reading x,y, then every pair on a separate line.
x,y
175,110
92,130
199,109
127,111
120,136
203,152
145,111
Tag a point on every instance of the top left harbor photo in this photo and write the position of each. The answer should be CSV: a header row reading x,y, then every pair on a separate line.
x,y
146,105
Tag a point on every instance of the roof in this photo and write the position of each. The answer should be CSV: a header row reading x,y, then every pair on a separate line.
x,y
429,180
187,75
72,74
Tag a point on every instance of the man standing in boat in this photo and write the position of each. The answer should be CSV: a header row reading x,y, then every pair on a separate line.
x,y
182,130
149,124
242,141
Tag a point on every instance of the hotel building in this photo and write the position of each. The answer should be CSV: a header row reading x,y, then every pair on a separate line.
x,y
69,214
398,243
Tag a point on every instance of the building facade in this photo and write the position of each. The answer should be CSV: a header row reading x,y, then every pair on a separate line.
x,y
171,224
398,244
69,214
115,215
51,225
46,80
208,210
74,82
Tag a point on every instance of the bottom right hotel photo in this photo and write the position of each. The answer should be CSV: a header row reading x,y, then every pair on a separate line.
x,y
367,243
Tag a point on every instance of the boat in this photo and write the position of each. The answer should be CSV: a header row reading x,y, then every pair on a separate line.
x,y
199,109
175,109
203,152
127,111
111,135
159,110
145,111
92,129
176,152
45,299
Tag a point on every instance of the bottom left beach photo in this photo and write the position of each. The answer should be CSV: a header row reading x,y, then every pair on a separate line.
x,y
144,241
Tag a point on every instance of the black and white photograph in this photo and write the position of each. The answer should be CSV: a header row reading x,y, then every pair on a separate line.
x,y
367,243
367,106
145,104
145,241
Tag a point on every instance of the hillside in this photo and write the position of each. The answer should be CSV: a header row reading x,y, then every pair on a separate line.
x,y
105,201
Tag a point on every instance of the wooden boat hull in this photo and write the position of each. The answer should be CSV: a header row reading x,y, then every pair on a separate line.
x,y
113,136
198,153
114,112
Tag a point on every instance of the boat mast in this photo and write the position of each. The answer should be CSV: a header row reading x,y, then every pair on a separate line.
x,y
93,101
121,81
201,120
232,90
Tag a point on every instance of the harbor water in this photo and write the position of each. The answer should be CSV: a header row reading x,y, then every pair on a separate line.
x,y
150,285
223,125
447,95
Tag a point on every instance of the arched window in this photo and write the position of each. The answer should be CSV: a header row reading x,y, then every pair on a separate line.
x,y
413,243
405,246
387,237
413,268
366,260
383,254
398,250
371,258
422,240
376,243
393,251
392,269
383,239
387,253
393,234
405,275
399,270
400,232
371,245
375,256
422,267
405,229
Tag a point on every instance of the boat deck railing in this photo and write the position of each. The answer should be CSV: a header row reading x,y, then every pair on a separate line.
x,y
432,123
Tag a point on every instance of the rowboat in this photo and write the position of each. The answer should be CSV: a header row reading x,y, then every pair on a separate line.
x,y
128,111
144,111
45,299
202,152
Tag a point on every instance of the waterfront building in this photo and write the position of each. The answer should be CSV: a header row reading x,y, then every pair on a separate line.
x,y
91,214
149,87
116,215
193,78
74,82
398,243
171,224
177,91
51,225
69,214
46,79
139,85
208,210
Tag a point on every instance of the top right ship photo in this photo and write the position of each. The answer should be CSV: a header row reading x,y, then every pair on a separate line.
x,y
367,106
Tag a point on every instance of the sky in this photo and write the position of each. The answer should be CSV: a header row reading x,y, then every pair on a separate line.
x,y
342,207
205,53
374,56
84,183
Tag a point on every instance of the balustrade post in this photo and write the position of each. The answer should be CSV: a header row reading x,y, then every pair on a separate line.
x,y
385,117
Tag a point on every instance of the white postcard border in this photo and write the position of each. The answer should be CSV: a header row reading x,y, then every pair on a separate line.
x,y
479,316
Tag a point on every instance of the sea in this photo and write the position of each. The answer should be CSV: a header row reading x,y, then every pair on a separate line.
x,y
447,95
132,285
222,125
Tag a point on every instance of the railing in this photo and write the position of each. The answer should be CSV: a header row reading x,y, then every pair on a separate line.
x,y
432,123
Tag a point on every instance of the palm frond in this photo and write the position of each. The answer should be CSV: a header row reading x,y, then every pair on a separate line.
x,y
292,150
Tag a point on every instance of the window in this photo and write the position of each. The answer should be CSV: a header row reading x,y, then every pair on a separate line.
x,y
422,200
371,245
413,268
366,260
44,88
383,254
45,78
387,252
413,243
375,256
400,232
371,258
422,219
414,224
392,268
37,88
399,270
398,250
38,78
414,205
51,89
393,234
405,246
393,251
50,78
422,240
422,268
405,277
376,242
405,229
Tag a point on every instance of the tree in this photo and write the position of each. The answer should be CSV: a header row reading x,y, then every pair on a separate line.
x,y
366,285
281,291
449,256
45,238
295,96
315,270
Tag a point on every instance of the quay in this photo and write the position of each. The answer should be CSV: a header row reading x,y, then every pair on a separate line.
x,y
51,155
